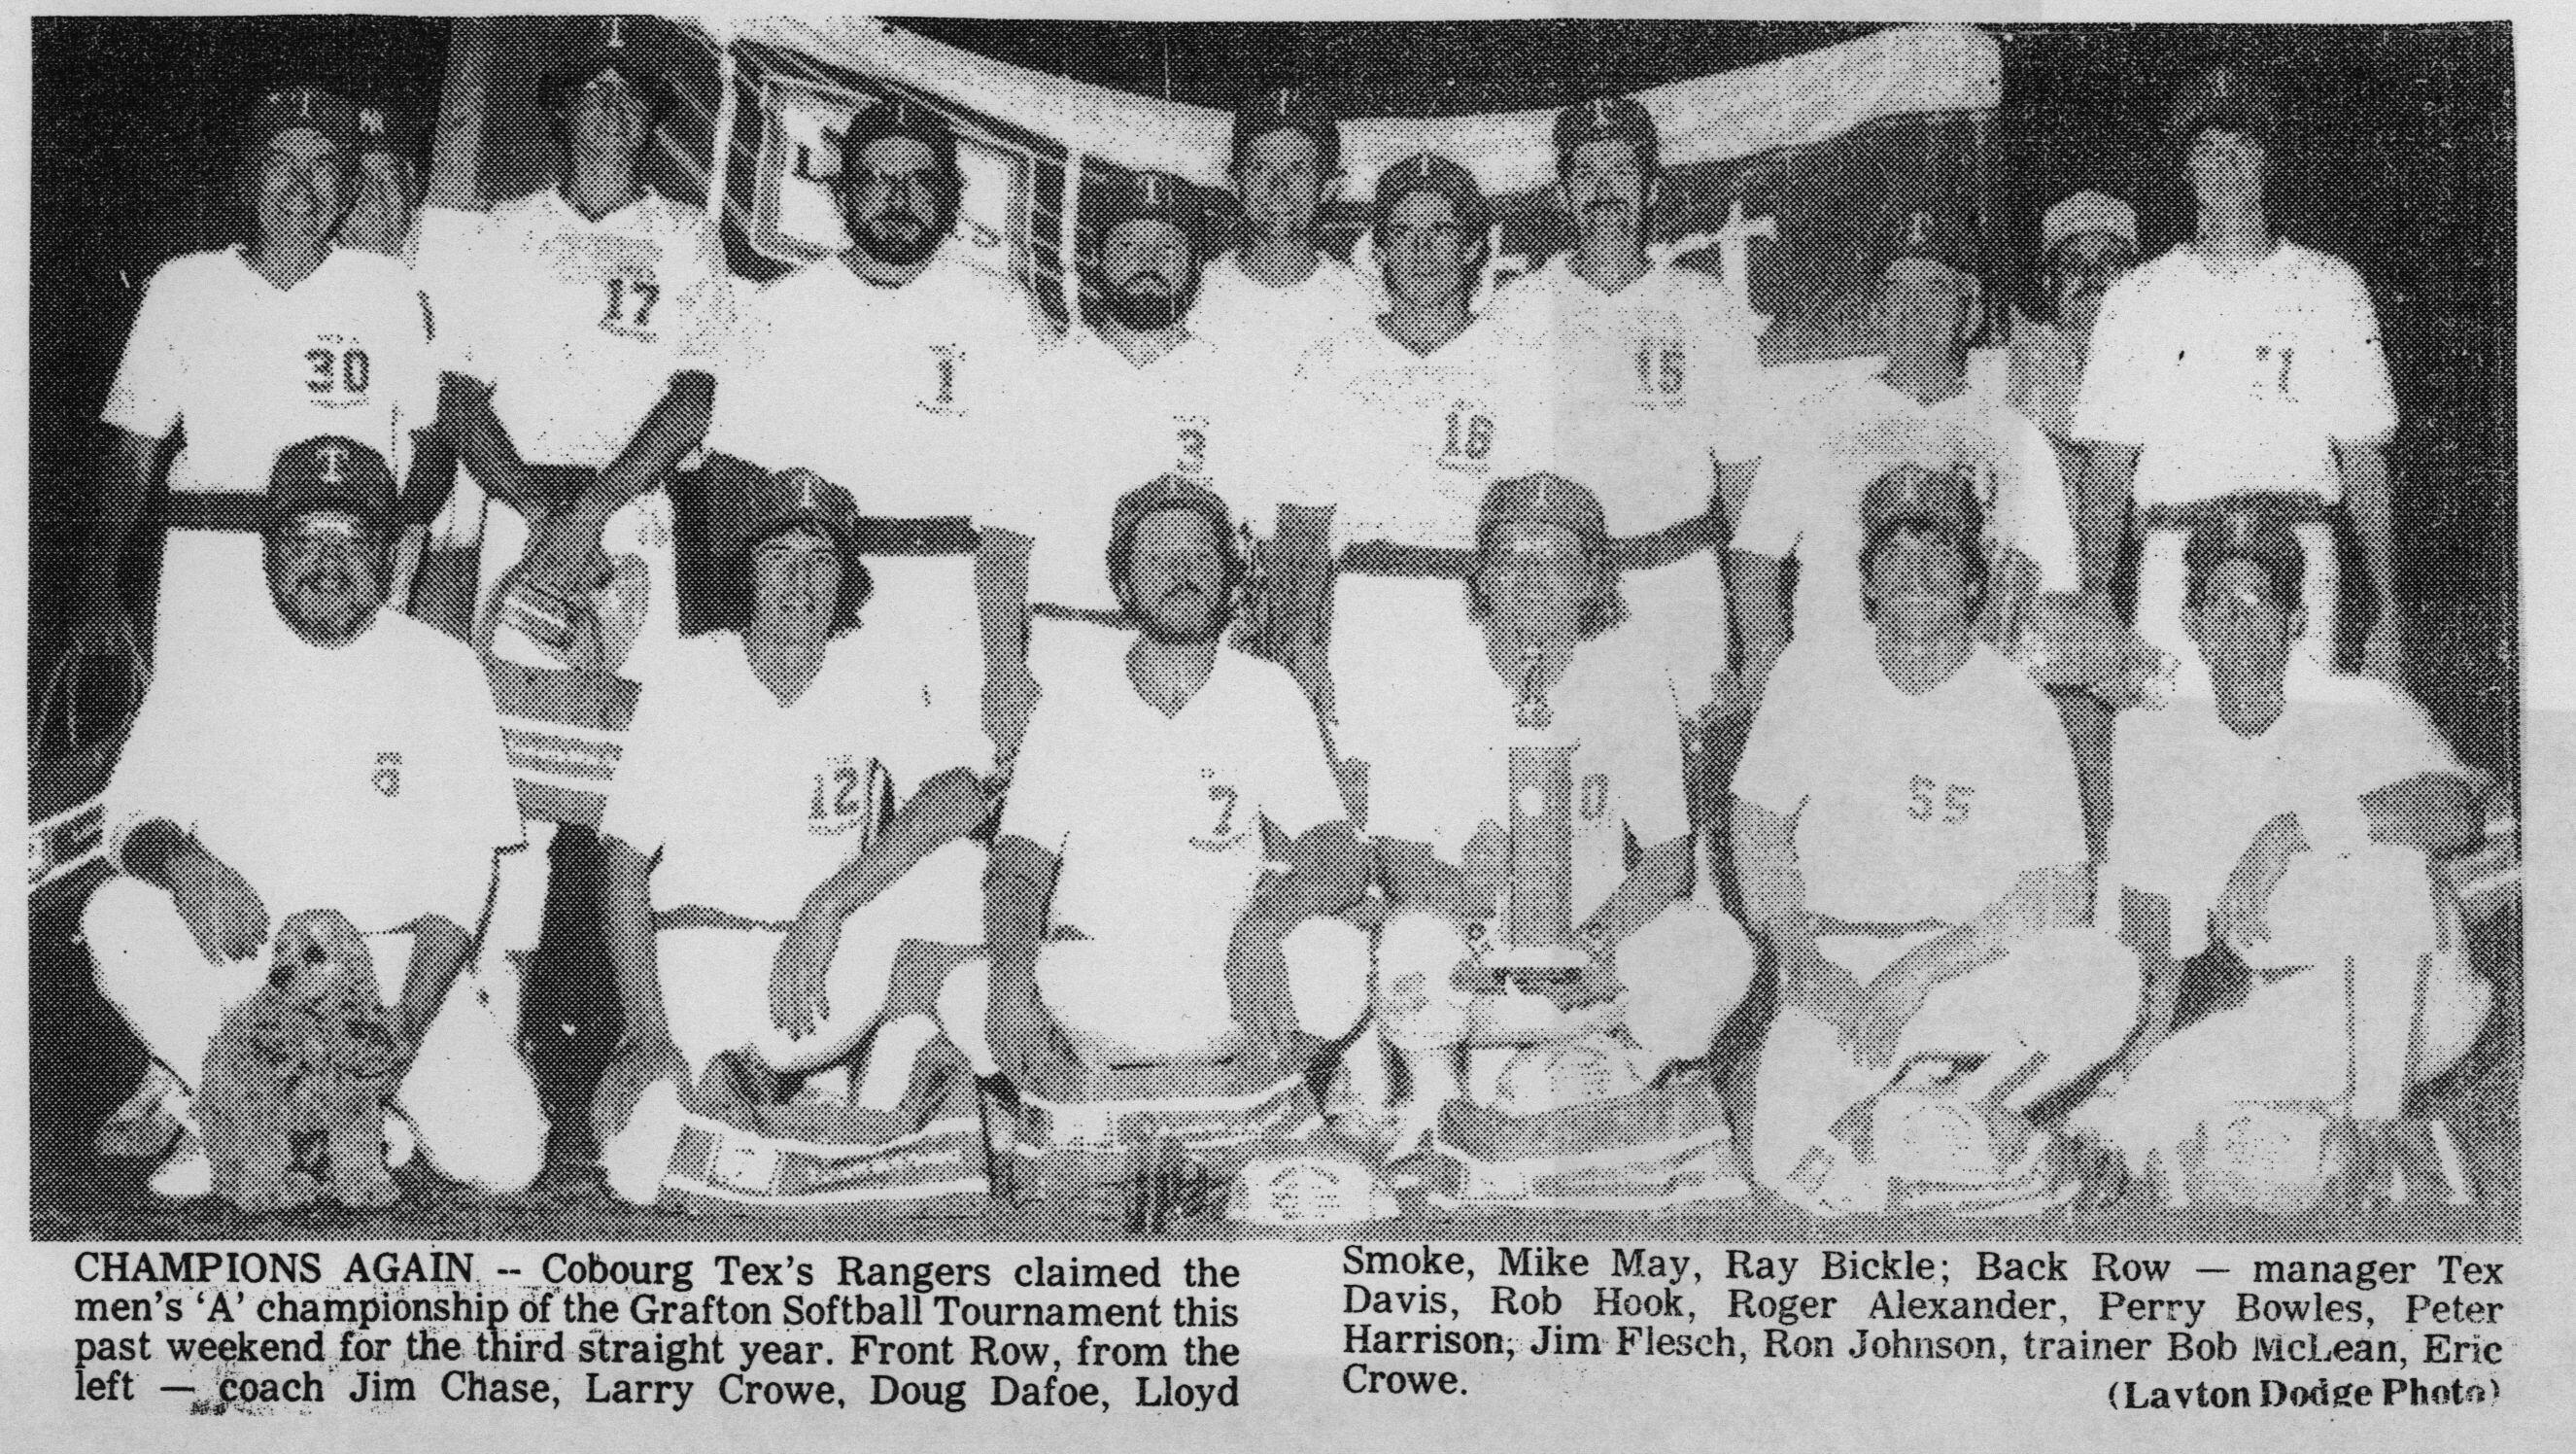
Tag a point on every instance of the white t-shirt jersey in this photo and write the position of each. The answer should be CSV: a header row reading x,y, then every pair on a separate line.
x,y
578,325
1440,761
2236,382
1650,384
753,804
1274,327
367,778
250,369
1101,427
1158,819
2190,795
1806,496
1910,808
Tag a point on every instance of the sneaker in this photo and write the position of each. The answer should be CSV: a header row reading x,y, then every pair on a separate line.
x,y
636,1157
144,1127
187,1173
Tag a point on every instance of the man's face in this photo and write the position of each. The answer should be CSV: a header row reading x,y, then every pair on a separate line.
x,y
1538,582
1176,577
2083,269
1926,309
1919,581
795,586
380,219
607,119
1147,274
1425,251
328,575
2226,168
897,200
1282,181
2242,630
303,186
1605,190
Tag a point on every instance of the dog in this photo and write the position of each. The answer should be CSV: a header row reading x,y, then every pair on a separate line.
x,y
293,1094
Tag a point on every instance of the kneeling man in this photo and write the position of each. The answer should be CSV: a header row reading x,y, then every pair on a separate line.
x,y
762,880
1529,781
1912,849
357,767
2270,845
1172,854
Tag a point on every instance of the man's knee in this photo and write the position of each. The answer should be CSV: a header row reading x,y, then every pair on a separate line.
x,y
2374,899
1419,1006
1684,974
963,996
1328,975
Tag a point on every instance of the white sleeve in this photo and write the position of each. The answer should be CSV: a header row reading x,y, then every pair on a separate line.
x,y
1298,794
646,796
150,386
2038,521
1046,794
2110,401
485,812
2352,376
1774,515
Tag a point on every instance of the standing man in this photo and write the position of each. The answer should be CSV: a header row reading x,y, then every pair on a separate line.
x,y
2087,242
1911,845
1134,914
1278,292
927,358
340,757
238,354
2238,364
587,333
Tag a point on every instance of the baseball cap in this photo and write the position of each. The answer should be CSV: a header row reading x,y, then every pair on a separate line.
x,y
769,503
1910,495
1134,196
581,68
302,108
1289,108
332,472
1610,118
1543,499
2088,212
1431,172
2226,98
899,116
1942,234
2249,532
1168,492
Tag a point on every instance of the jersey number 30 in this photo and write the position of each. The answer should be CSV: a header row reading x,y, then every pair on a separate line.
x,y
341,371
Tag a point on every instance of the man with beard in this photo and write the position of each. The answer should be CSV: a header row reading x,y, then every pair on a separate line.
x,y
340,757
761,877
1466,813
238,354
2270,851
2238,364
906,364
2087,242
1134,914
1279,292
584,342
1911,846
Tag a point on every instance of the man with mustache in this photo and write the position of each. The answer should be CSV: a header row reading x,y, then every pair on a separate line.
x,y
2238,364
236,355
1911,847
905,362
761,877
2087,242
339,757
1278,291
1134,914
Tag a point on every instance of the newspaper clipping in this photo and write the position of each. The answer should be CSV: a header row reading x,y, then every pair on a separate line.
x,y
1457,732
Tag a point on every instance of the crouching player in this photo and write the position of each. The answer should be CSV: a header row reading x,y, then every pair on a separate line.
x,y
1539,773
2270,849
342,757
1144,934
761,879
1912,848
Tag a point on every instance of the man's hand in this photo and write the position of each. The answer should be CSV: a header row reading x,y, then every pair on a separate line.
x,y
563,557
1885,1009
1028,1044
222,911
2241,917
799,993
951,805
638,1061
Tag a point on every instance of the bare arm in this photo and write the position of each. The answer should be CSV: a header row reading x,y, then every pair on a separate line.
x,y
439,950
1002,609
1418,879
1766,866
1759,586
223,912
948,807
1329,871
2146,926
1025,1041
124,473
2435,813
1305,554
676,426
1661,879
2109,479
2367,495
626,924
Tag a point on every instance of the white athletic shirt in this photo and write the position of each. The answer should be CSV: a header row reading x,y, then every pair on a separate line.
x,y
250,369
1650,383
1908,808
1275,326
1101,427
753,804
2192,795
367,778
1806,495
1440,762
2243,382
1158,819
1402,446
578,325
907,397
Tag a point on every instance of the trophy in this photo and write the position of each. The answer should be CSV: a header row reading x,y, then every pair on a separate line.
x,y
1532,940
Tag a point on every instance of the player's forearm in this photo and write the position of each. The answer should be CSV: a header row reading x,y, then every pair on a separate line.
x,y
1419,880
2434,813
2146,926
855,885
1019,880
483,444
1766,867
1002,596
439,949
2367,495
677,425
2109,477
1660,879
122,477
626,923
1329,873
1734,487
1758,584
